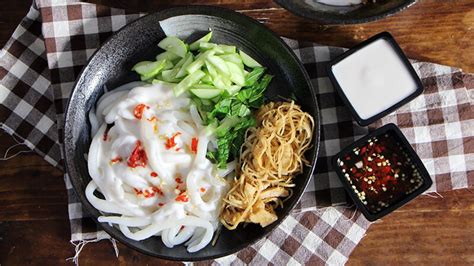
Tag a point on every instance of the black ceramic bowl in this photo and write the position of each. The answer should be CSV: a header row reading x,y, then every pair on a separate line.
x,y
328,14
407,178
111,65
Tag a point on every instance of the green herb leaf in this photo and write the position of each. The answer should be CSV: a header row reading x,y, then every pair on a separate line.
x,y
223,106
253,76
245,123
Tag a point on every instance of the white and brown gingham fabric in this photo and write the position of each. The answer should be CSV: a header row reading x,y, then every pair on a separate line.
x,y
39,64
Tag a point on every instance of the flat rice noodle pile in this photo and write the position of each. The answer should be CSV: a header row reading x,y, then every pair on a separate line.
x,y
272,154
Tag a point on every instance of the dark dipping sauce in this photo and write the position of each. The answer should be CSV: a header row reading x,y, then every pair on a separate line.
x,y
380,172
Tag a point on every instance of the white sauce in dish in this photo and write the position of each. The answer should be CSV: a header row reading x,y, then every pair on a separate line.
x,y
151,167
340,2
374,78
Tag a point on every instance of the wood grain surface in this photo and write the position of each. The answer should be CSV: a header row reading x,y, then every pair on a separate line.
x,y
33,203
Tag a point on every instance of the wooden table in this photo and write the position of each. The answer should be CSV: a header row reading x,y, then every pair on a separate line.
x,y
33,203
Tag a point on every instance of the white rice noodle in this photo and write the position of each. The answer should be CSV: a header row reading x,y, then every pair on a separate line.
x,y
143,200
195,115
200,238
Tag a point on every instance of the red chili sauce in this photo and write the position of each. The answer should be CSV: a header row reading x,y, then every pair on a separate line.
x,y
380,172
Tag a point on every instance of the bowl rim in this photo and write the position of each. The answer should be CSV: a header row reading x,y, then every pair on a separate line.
x,y
311,14
165,14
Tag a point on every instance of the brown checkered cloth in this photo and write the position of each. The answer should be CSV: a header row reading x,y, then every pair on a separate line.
x,y
39,64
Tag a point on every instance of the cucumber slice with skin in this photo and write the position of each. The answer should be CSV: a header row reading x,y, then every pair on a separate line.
x,y
248,61
169,75
173,45
156,81
182,71
148,69
205,46
206,79
204,86
181,61
218,48
219,64
212,70
234,58
143,67
228,49
205,39
199,62
168,56
221,83
232,90
168,65
205,93
188,81
236,74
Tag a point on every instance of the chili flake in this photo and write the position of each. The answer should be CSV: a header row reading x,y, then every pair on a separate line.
x,y
183,197
147,193
116,160
202,189
138,156
161,204
194,144
170,142
153,174
139,109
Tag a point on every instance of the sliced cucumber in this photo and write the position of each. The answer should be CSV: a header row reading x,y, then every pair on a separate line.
x,y
232,90
168,56
174,45
181,61
143,67
204,46
212,70
207,78
221,82
218,48
182,71
199,62
188,81
156,81
205,93
236,74
168,65
169,75
234,58
204,86
228,49
249,61
148,69
219,64
205,39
